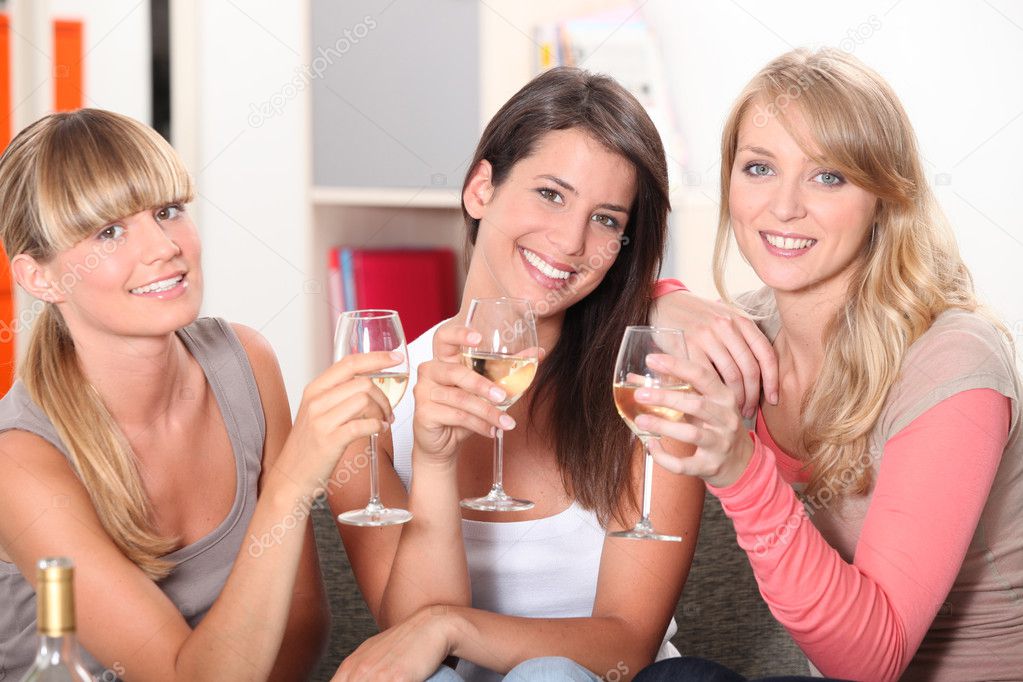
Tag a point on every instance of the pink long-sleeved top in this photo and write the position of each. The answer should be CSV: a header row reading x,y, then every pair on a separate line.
x,y
922,577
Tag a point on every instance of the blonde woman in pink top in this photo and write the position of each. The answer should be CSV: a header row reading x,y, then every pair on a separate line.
x,y
879,496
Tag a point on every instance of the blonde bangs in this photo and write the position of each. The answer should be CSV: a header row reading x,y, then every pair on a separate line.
x,y
858,131
99,167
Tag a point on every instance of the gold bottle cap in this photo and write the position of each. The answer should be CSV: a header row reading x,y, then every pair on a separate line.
x,y
55,600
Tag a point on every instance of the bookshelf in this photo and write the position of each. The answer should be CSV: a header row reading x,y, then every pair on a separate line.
x,y
396,118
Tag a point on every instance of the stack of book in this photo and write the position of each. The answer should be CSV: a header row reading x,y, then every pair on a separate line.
x,y
418,283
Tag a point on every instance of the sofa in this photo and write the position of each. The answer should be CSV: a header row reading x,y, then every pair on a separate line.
x,y
721,615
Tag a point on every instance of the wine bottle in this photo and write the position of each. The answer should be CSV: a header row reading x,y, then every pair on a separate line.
x,y
57,657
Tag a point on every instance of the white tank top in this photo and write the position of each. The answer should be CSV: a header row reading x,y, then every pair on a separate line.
x,y
544,568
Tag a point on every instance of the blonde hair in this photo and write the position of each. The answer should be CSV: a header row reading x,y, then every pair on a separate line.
x,y
61,179
909,273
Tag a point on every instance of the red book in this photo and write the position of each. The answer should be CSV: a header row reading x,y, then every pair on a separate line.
x,y
335,287
418,283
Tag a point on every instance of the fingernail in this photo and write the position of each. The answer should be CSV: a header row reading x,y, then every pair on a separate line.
x,y
395,355
497,395
390,420
475,337
644,394
507,423
387,426
774,398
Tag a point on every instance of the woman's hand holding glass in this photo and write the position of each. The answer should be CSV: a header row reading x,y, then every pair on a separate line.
x,y
339,407
713,424
719,335
452,401
361,332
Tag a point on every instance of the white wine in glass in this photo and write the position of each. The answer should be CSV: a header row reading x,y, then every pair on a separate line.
x,y
508,355
631,374
367,331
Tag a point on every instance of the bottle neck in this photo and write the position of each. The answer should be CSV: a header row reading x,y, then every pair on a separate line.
x,y
54,650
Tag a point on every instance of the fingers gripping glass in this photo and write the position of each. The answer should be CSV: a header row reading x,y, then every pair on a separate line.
x,y
631,374
365,331
508,356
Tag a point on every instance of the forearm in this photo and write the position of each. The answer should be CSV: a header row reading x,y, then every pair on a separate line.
x,y
865,620
304,644
432,538
308,628
599,643
242,633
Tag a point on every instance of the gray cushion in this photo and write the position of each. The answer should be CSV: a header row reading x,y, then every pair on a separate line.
x,y
721,615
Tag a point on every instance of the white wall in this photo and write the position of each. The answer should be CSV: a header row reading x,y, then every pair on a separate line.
x,y
252,208
116,73
954,65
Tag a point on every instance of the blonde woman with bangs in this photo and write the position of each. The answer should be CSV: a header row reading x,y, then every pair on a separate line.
x,y
138,435
879,494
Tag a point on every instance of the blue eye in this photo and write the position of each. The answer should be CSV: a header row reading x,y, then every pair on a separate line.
x,y
111,232
551,195
758,169
169,212
829,178
605,220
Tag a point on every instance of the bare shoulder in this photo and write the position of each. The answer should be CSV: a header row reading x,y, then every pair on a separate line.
x,y
261,353
270,382
24,450
263,360
34,477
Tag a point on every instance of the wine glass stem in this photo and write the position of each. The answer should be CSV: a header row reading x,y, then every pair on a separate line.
x,y
374,475
648,483
499,460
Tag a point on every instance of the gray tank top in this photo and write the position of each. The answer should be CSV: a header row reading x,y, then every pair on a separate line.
x,y
200,568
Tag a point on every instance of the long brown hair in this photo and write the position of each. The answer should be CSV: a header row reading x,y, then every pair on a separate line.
x,y
61,179
574,382
909,273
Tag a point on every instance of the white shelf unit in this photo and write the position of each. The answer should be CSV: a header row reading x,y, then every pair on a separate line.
x,y
373,219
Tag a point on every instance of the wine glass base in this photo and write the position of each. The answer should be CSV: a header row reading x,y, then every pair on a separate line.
x,y
497,503
641,533
375,517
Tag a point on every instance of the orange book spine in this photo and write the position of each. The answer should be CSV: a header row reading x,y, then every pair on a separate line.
x,y
6,288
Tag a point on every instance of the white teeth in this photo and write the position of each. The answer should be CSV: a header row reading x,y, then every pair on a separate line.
x,y
544,267
789,243
162,285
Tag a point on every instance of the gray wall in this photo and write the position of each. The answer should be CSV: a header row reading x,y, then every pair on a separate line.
x,y
395,92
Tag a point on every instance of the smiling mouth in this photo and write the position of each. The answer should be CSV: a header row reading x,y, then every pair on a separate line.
x,y
544,267
788,243
161,286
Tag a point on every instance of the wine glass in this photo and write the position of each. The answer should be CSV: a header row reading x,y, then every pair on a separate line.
x,y
631,374
508,356
366,331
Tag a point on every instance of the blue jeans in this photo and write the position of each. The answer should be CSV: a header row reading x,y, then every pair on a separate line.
x,y
547,669
701,670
